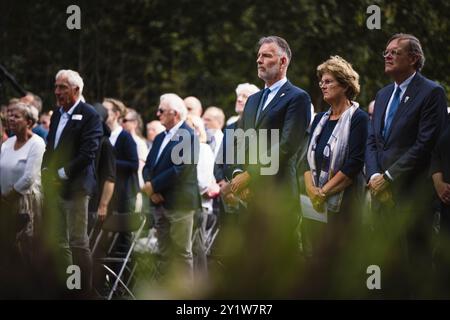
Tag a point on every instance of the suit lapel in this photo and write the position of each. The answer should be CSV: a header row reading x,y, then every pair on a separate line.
x,y
52,132
280,96
253,109
379,124
68,125
173,141
165,151
156,145
407,99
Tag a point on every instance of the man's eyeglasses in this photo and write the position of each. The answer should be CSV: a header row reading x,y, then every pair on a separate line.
x,y
392,52
325,83
160,110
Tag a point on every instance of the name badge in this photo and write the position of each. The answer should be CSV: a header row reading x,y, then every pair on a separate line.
x,y
77,117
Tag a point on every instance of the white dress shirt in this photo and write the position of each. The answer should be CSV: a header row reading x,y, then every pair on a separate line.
x,y
169,135
403,86
274,90
114,135
65,117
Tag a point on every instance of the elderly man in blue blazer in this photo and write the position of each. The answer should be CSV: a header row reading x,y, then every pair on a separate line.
x,y
280,108
170,176
68,169
409,115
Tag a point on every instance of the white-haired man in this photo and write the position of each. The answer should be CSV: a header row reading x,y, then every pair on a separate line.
x,y
153,129
193,106
171,184
68,168
221,169
243,91
214,119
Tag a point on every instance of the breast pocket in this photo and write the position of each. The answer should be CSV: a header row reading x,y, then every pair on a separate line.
x,y
74,128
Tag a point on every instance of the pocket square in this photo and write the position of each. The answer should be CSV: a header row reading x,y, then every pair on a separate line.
x,y
77,117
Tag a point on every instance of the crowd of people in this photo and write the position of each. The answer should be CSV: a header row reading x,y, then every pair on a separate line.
x,y
63,172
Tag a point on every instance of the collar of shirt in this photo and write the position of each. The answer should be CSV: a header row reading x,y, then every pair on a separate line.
x,y
274,90
61,109
65,116
114,135
403,85
174,129
167,137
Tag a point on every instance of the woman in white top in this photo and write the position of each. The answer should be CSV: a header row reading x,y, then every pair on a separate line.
x,y
20,174
205,167
208,189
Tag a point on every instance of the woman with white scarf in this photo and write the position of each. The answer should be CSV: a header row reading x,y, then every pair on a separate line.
x,y
334,181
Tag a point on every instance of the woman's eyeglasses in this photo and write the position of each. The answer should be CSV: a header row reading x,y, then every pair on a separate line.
x,y
325,83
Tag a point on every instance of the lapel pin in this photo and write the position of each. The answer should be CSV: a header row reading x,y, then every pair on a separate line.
x,y
282,94
406,99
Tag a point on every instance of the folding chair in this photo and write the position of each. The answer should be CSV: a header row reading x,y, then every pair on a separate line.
x,y
212,230
115,225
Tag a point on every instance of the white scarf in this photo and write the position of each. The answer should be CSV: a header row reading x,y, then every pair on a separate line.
x,y
334,153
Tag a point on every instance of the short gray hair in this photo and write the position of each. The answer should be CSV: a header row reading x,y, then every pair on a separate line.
x,y
217,114
73,78
28,111
280,42
414,48
248,87
175,103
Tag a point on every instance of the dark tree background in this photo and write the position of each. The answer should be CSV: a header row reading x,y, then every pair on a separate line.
x,y
136,50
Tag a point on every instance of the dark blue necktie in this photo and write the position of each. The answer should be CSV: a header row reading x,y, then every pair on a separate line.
x,y
264,96
392,110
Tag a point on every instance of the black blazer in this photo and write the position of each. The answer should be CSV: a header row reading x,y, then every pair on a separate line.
x,y
127,163
76,150
416,126
290,113
177,183
222,169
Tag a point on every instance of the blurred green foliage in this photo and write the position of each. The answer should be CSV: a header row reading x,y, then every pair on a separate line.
x,y
136,50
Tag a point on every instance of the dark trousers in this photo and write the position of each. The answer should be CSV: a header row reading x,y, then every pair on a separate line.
x,y
441,256
402,247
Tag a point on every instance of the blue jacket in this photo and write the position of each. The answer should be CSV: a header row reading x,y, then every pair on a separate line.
x,y
289,112
176,182
416,126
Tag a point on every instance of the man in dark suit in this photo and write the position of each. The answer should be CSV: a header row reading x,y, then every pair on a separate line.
x,y
68,169
279,108
408,117
170,176
221,167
